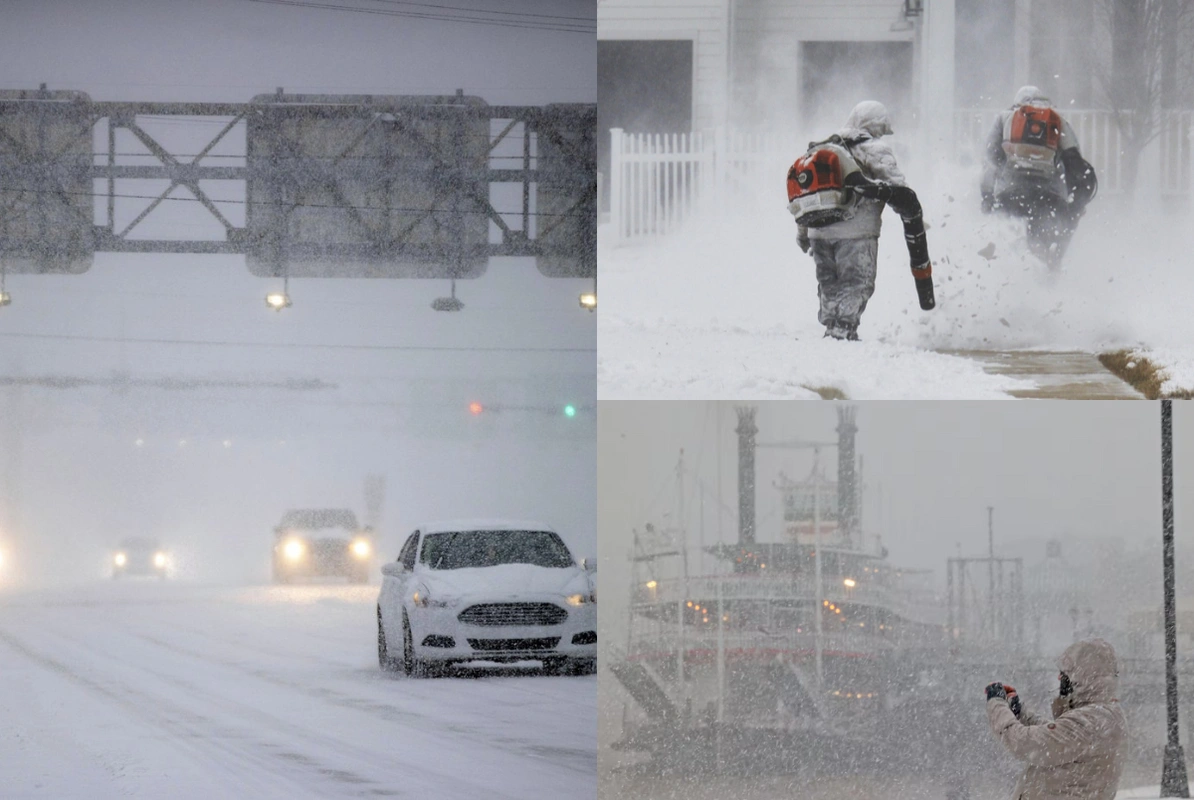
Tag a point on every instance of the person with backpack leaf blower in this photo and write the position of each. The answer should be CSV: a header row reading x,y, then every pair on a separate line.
x,y
837,191
1036,171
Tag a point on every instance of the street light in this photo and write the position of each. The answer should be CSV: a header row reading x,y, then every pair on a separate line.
x,y
588,300
450,303
5,298
1173,769
278,300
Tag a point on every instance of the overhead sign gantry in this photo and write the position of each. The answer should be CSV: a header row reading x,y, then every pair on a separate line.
x,y
356,186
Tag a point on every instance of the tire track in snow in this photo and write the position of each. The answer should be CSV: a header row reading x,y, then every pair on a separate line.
x,y
273,755
186,730
578,759
583,761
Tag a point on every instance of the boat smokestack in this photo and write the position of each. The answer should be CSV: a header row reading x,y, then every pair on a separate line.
x,y
746,430
847,479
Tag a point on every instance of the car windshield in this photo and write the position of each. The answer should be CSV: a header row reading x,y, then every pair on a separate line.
x,y
138,544
465,549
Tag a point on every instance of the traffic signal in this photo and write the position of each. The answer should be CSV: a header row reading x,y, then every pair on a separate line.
x,y
475,408
569,410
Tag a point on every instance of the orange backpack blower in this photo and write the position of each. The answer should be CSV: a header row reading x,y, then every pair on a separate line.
x,y
819,184
1031,138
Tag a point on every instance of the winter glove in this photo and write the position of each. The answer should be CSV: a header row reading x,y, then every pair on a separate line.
x,y
802,240
1013,700
996,690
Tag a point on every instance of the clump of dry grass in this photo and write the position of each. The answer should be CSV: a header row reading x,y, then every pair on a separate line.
x,y
828,392
1143,375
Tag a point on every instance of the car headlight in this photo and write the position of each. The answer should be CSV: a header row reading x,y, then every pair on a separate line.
x,y
423,599
121,559
293,550
581,599
159,560
361,548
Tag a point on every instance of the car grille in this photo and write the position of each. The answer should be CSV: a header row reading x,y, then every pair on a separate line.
x,y
495,614
495,645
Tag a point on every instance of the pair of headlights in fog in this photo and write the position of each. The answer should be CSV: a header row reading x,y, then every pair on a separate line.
x,y
159,560
296,549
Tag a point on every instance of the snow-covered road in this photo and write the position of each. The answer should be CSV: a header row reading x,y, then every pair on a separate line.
x,y
149,690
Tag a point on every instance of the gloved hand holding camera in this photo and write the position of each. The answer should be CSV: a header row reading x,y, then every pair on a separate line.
x,y
1005,692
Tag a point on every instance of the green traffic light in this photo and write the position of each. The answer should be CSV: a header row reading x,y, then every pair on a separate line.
x,y
569,410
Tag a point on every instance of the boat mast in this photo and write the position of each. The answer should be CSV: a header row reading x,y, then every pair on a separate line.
x,y
682,533
817,558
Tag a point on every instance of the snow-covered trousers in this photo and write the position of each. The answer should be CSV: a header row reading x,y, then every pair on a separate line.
x,y
845,278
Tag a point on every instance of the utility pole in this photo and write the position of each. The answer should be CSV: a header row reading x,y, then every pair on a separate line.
x,y
991,570
1173,770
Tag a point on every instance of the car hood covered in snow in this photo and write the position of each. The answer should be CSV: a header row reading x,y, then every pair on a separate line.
x,y
511,580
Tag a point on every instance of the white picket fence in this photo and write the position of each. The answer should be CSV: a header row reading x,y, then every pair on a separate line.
x,y
657,181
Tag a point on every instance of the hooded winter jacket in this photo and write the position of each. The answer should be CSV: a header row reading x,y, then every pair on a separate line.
x,y
1078,754
868,122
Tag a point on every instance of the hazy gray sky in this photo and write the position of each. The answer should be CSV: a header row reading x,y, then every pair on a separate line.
x,y
1086,470
77,482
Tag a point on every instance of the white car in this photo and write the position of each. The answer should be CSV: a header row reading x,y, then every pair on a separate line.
x,y
486,591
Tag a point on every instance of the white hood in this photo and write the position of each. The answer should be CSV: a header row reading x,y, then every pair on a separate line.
x,y
505,580
1030,95
869,117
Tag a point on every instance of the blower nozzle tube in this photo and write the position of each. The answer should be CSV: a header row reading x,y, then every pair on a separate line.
x,y
905,203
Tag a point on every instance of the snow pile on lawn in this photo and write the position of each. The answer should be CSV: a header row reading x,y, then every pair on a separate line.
x,y
731,291
1147,793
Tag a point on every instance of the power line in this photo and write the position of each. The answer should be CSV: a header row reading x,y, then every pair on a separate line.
x,y
242,156
545,26
300,346
485,11
246,202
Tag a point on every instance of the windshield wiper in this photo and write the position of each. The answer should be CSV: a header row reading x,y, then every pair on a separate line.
x,y
447,547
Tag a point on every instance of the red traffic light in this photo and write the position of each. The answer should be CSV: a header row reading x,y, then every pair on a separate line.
x,y
475,408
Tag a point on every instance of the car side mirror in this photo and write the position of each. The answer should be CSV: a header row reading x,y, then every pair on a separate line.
x,y
588,564
392,568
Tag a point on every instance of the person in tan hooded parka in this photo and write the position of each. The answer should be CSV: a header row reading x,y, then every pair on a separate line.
x,y
1078,753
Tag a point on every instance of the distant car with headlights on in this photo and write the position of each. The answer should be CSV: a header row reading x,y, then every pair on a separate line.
x,y
486,591
321,542
140,557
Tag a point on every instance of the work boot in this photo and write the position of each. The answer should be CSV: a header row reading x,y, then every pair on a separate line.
x,y
851,332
